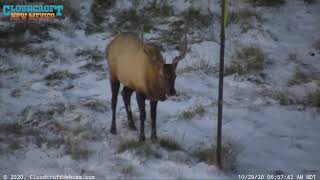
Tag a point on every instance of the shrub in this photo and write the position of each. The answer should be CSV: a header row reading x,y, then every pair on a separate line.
x,y
159,10
195,19
174,34
247,60
132,20
169,144
98,10
70,11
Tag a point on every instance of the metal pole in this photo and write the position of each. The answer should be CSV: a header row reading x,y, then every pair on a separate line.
x,y
221,74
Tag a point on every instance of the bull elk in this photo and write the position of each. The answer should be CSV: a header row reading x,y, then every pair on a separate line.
x,y
140,67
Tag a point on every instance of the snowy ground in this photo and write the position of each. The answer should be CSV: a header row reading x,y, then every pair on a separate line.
x,y
56,94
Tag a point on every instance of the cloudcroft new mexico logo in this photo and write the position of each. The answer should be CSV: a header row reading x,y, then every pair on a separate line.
x,y
32,12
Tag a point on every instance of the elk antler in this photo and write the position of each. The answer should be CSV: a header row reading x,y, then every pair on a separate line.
x,y
142,34
176,60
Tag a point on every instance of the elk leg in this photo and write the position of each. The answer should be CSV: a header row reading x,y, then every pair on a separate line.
x,y
141,103
115,85
153,110
126,95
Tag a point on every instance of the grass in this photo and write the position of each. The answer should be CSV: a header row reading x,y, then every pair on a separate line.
x,y
76,151
92,55
18,36
15,146
310,2
208,155
280,95
4,70
96,105
191,113
248,60
303,75
245,14
316,45
53,142
312,99
142,149
127,169
169,144
14,135
129,144
202,65
41,126
11,128
299,77
42,114
59,75
267,3
93,67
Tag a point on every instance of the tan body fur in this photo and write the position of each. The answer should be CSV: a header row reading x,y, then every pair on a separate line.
x,y
133,67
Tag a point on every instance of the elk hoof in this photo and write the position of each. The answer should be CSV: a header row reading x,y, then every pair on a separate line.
x,y
113,130
132,126
142,138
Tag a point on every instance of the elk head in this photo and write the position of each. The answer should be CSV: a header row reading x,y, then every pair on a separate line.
x,y
168,72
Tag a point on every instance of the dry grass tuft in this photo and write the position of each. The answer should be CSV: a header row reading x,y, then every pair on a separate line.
x,y
208,155
191,113
169,144
248,60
